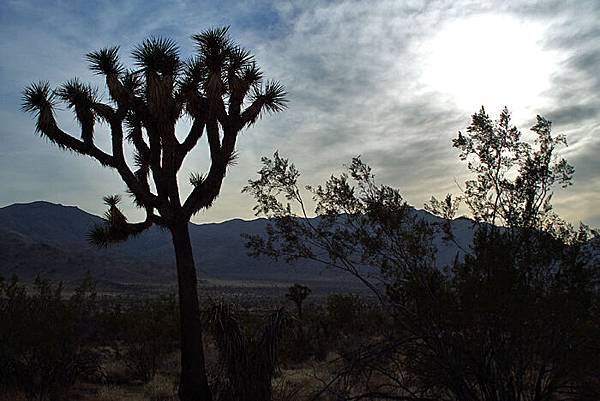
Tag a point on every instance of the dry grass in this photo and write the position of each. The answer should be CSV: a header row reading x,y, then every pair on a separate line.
x,y
290,385
114,382
161,389
115,371
112,393
11,395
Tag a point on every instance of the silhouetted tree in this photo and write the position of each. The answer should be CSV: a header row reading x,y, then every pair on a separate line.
x,y
516,318
297,294
220,89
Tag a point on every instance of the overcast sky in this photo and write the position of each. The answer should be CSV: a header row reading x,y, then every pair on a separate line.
x,y
393,81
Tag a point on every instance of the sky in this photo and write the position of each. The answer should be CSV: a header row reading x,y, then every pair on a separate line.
x,y
392,81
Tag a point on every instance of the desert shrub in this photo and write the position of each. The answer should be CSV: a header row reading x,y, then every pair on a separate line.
x,y
139,334
349,313
110,393
357,323
40,350
111,320
160,389
514,317
150,332
285,390
306,339
83,305
346,322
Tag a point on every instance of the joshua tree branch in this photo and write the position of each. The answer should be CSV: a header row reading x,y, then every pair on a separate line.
x,y
47,125
207,191
190,141
214,142
155,156
251,113
136,137
221,113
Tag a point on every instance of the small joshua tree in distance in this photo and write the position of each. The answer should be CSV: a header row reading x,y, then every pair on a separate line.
x,y
297,294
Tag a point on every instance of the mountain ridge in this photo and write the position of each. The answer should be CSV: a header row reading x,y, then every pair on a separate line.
x,y
50,239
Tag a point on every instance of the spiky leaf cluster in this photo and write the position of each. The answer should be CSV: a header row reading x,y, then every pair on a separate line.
x,y
37,97
159,55
105,61
115,227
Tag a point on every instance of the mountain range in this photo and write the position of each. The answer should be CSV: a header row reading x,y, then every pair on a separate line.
x,y
50,240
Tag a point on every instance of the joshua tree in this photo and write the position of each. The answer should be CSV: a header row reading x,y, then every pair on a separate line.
x,y
220,89
297,294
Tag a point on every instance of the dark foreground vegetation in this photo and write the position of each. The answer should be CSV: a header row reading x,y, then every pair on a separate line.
x,y
56,345
515,317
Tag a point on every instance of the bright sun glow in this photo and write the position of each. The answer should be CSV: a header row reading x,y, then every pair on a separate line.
x,y
489,60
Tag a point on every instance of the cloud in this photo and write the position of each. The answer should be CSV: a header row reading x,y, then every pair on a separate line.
x,y
352,69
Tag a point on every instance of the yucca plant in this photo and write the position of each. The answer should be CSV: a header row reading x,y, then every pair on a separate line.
x,y
247,361
222,91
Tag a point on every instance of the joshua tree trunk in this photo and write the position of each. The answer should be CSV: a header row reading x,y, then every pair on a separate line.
x,y
299,309
193,385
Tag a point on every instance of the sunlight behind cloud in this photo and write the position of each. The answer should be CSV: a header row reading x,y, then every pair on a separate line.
x,y
390,80
489,60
